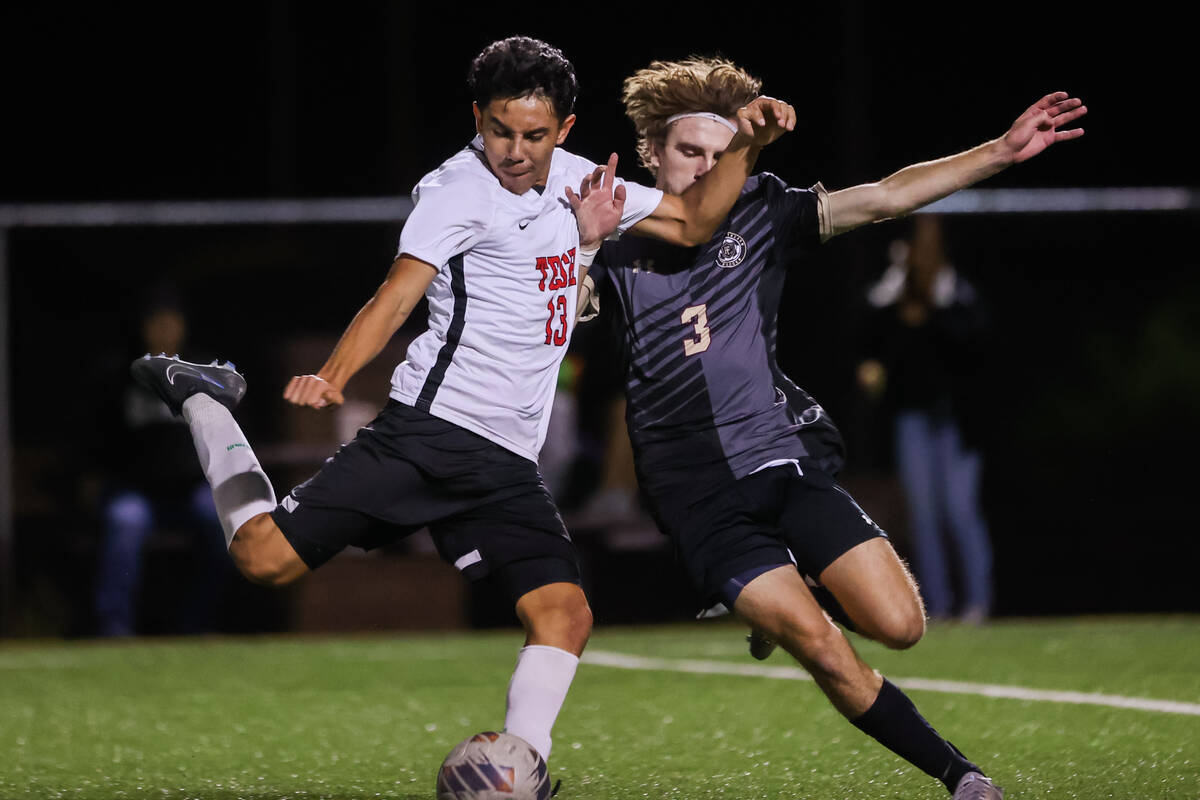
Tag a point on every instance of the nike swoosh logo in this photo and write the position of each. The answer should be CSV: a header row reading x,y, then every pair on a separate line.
x,y
175,369
523,225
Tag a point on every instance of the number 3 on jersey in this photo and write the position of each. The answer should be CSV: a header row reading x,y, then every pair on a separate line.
x,y
698,340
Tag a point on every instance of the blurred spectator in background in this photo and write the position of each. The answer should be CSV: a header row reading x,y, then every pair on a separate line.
x,y
151,481
926,345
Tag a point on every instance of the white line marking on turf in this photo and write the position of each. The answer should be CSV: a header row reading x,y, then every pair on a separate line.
x,y
603,658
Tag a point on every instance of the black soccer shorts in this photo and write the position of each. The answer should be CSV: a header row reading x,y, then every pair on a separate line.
x,y
727,538
487,509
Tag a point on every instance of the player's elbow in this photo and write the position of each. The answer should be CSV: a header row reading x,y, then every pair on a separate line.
x,y
897,196
694,234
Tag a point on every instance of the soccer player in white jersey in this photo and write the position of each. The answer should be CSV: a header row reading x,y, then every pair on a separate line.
x,y
737,462
494,243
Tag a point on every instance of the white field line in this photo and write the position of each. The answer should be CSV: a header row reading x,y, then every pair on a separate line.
x,y
603,658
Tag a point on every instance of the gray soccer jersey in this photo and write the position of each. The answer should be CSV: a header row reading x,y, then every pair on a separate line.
x,y
498,307
707,402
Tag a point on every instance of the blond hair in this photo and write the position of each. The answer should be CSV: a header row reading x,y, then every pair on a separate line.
x,y
666,88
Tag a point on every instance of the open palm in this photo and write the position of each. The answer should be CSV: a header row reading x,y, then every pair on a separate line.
x,y
599,204
1042,125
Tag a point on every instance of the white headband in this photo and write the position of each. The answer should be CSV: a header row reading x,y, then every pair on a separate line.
x,y
704,115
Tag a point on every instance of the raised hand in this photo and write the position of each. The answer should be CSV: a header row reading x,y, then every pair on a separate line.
x,y
598,206
1041,125
313,391
764,119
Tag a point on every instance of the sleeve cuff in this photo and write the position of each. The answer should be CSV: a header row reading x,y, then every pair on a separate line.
x,y
824,213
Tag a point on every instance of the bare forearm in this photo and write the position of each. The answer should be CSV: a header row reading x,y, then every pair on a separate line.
x,y
707,202
377,321
366,335
921,184
916,186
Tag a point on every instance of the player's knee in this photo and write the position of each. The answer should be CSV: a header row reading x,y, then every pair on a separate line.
x,y
257,553
565,623
573,623
898,624
901,630
263,571
581,626
258,566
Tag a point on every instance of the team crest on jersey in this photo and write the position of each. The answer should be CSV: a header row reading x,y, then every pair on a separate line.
x,y
732,251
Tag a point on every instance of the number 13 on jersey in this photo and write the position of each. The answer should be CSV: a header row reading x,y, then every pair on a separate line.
x,y
556,325
556,273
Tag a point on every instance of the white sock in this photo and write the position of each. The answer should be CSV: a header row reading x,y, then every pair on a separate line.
x,y
240,487
536,693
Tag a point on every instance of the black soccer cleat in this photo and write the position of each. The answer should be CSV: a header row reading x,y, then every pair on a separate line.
x,y
760,645
175,381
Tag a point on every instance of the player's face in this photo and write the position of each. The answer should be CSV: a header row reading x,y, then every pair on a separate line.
x,y
690,148
519,137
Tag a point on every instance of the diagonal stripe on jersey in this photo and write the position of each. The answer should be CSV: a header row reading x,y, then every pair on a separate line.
x,y
708,274
651,391
684,401
458,285
707,255
654,337
734,293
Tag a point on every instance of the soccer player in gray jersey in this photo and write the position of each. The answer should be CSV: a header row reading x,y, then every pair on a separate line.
x,y
738,462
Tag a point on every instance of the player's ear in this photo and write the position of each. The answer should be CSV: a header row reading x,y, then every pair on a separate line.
x,y
656,149
478,117
564,128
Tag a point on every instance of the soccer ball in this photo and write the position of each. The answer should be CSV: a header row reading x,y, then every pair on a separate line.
x,y
493,766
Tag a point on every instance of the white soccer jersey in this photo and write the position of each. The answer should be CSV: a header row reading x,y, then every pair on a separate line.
x,y
502,307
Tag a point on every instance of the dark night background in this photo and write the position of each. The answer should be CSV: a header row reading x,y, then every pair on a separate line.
x,y
1089,478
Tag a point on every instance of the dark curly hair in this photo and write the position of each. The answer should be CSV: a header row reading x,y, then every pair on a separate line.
x,y
519,67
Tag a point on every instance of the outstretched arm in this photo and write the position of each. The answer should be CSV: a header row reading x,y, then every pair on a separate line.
x,y
369,331
691,218
920,184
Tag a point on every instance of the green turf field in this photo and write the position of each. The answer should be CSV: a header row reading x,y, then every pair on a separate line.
x,y
372,717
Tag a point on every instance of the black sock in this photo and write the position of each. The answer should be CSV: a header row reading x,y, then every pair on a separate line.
x,y
894,722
